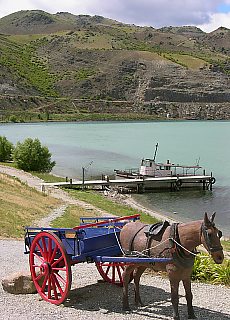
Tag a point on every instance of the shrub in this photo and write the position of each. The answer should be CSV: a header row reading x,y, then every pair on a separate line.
x,y
32,156
6,149
206,270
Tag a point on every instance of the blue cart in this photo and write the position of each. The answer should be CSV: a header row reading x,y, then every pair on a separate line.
x,y
52,252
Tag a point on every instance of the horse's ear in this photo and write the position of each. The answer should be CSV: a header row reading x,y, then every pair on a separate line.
x,y
206,219
213,217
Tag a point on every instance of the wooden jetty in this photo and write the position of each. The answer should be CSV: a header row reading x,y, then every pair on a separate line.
x,y
140,184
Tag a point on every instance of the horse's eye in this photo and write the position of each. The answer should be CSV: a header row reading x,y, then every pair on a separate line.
x,y
220,234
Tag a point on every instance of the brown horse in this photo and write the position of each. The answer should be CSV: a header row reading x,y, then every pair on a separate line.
x,y
179,242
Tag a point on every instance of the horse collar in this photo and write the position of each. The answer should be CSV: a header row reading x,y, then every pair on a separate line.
x,y
177,252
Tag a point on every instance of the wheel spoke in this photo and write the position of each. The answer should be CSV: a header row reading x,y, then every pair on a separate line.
x,y
60,278
57,261
39,277
59,269
107,270
49,249
53,254
119,273
54,287
49,288
44,248
40,249
113,274
44,283
39,258
58,284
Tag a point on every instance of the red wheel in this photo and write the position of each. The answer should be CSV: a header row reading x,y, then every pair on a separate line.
x,y
50,267
112,272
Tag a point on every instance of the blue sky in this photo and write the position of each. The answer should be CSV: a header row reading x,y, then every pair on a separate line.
x,y
224,7
206,14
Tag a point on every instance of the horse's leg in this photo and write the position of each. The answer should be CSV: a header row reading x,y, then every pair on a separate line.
x,y
188,295
137,275
126,277
175,297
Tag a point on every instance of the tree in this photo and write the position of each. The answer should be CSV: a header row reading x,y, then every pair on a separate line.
x,y
32,156
6,149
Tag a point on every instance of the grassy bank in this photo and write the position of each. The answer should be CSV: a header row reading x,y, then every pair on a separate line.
x,y
21,206
115,208
71,217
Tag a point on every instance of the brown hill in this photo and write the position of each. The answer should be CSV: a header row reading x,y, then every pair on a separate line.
x,y
83,65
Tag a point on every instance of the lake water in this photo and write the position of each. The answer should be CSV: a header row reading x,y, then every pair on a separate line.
x,y
102,147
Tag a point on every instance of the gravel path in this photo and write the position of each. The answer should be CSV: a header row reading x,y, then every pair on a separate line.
x,y
90,299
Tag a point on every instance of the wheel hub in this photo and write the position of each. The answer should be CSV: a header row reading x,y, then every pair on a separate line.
x,y
46,268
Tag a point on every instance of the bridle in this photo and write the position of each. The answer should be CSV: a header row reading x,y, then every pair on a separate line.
x,y
207,238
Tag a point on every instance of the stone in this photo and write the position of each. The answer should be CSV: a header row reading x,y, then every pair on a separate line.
x,y
19,283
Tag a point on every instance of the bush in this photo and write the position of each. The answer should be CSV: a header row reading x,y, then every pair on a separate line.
x,y
32,156
6,149
206,270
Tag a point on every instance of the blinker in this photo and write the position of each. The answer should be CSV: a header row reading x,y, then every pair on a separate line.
x,y
220,234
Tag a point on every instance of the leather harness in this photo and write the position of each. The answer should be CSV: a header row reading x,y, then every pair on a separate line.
x,y
156,232
179,257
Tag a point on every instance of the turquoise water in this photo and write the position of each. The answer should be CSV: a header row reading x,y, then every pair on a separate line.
x,y
102,147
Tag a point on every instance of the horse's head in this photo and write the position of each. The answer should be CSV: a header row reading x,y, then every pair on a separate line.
x,y
210,238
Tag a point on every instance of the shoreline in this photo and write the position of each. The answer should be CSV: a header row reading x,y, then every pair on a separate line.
x,y
126,199
35,182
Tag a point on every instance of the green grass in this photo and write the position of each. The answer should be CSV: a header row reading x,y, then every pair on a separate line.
x,y
186,60
84,73
8,164
71,217
25,38
226,245
21,206
21,61
47,177
101,202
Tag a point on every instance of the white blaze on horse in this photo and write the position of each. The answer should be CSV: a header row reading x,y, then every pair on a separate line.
x,y
178,241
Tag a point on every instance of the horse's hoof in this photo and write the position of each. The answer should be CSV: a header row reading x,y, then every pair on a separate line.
x,y
139,304
126,309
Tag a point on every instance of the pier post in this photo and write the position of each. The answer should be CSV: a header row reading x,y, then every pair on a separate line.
x,y
204,181
140,188
211,182
83,178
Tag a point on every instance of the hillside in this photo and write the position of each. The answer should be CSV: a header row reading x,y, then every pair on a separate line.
x,y
62,66
21,206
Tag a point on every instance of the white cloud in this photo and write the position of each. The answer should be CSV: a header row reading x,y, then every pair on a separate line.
x,y
7,7
216,20
156,13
